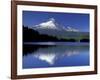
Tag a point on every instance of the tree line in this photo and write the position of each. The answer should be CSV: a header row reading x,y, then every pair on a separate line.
x,y
31,35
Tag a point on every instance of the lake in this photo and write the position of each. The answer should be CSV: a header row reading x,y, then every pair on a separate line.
x,y
55,54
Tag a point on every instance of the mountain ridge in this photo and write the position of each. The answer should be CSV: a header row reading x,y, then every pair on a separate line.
x,y
52,24
50,30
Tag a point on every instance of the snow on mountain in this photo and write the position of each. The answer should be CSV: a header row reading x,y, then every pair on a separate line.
x,y
53,25
48,24
71,29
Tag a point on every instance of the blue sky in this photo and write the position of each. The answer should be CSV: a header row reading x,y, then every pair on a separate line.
x,y
75,20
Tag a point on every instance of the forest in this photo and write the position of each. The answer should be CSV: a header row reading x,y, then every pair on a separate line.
x,y
31,35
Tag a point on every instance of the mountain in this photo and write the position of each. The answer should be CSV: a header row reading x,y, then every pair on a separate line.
x,y
50,24
31,35
52,28
53,25
71,29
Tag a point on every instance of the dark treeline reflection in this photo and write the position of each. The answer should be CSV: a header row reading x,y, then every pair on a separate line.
x,y
31,35
27,49
31,49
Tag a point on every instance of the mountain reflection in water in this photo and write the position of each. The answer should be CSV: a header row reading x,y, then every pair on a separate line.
x,y
39,56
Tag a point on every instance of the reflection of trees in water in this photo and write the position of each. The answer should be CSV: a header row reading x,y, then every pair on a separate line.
x,y
58,49
28,49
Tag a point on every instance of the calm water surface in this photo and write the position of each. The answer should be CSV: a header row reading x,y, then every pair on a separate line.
x,y
56,54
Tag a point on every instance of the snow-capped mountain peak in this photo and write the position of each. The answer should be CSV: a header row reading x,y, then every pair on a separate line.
x,y
50,24
52,19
